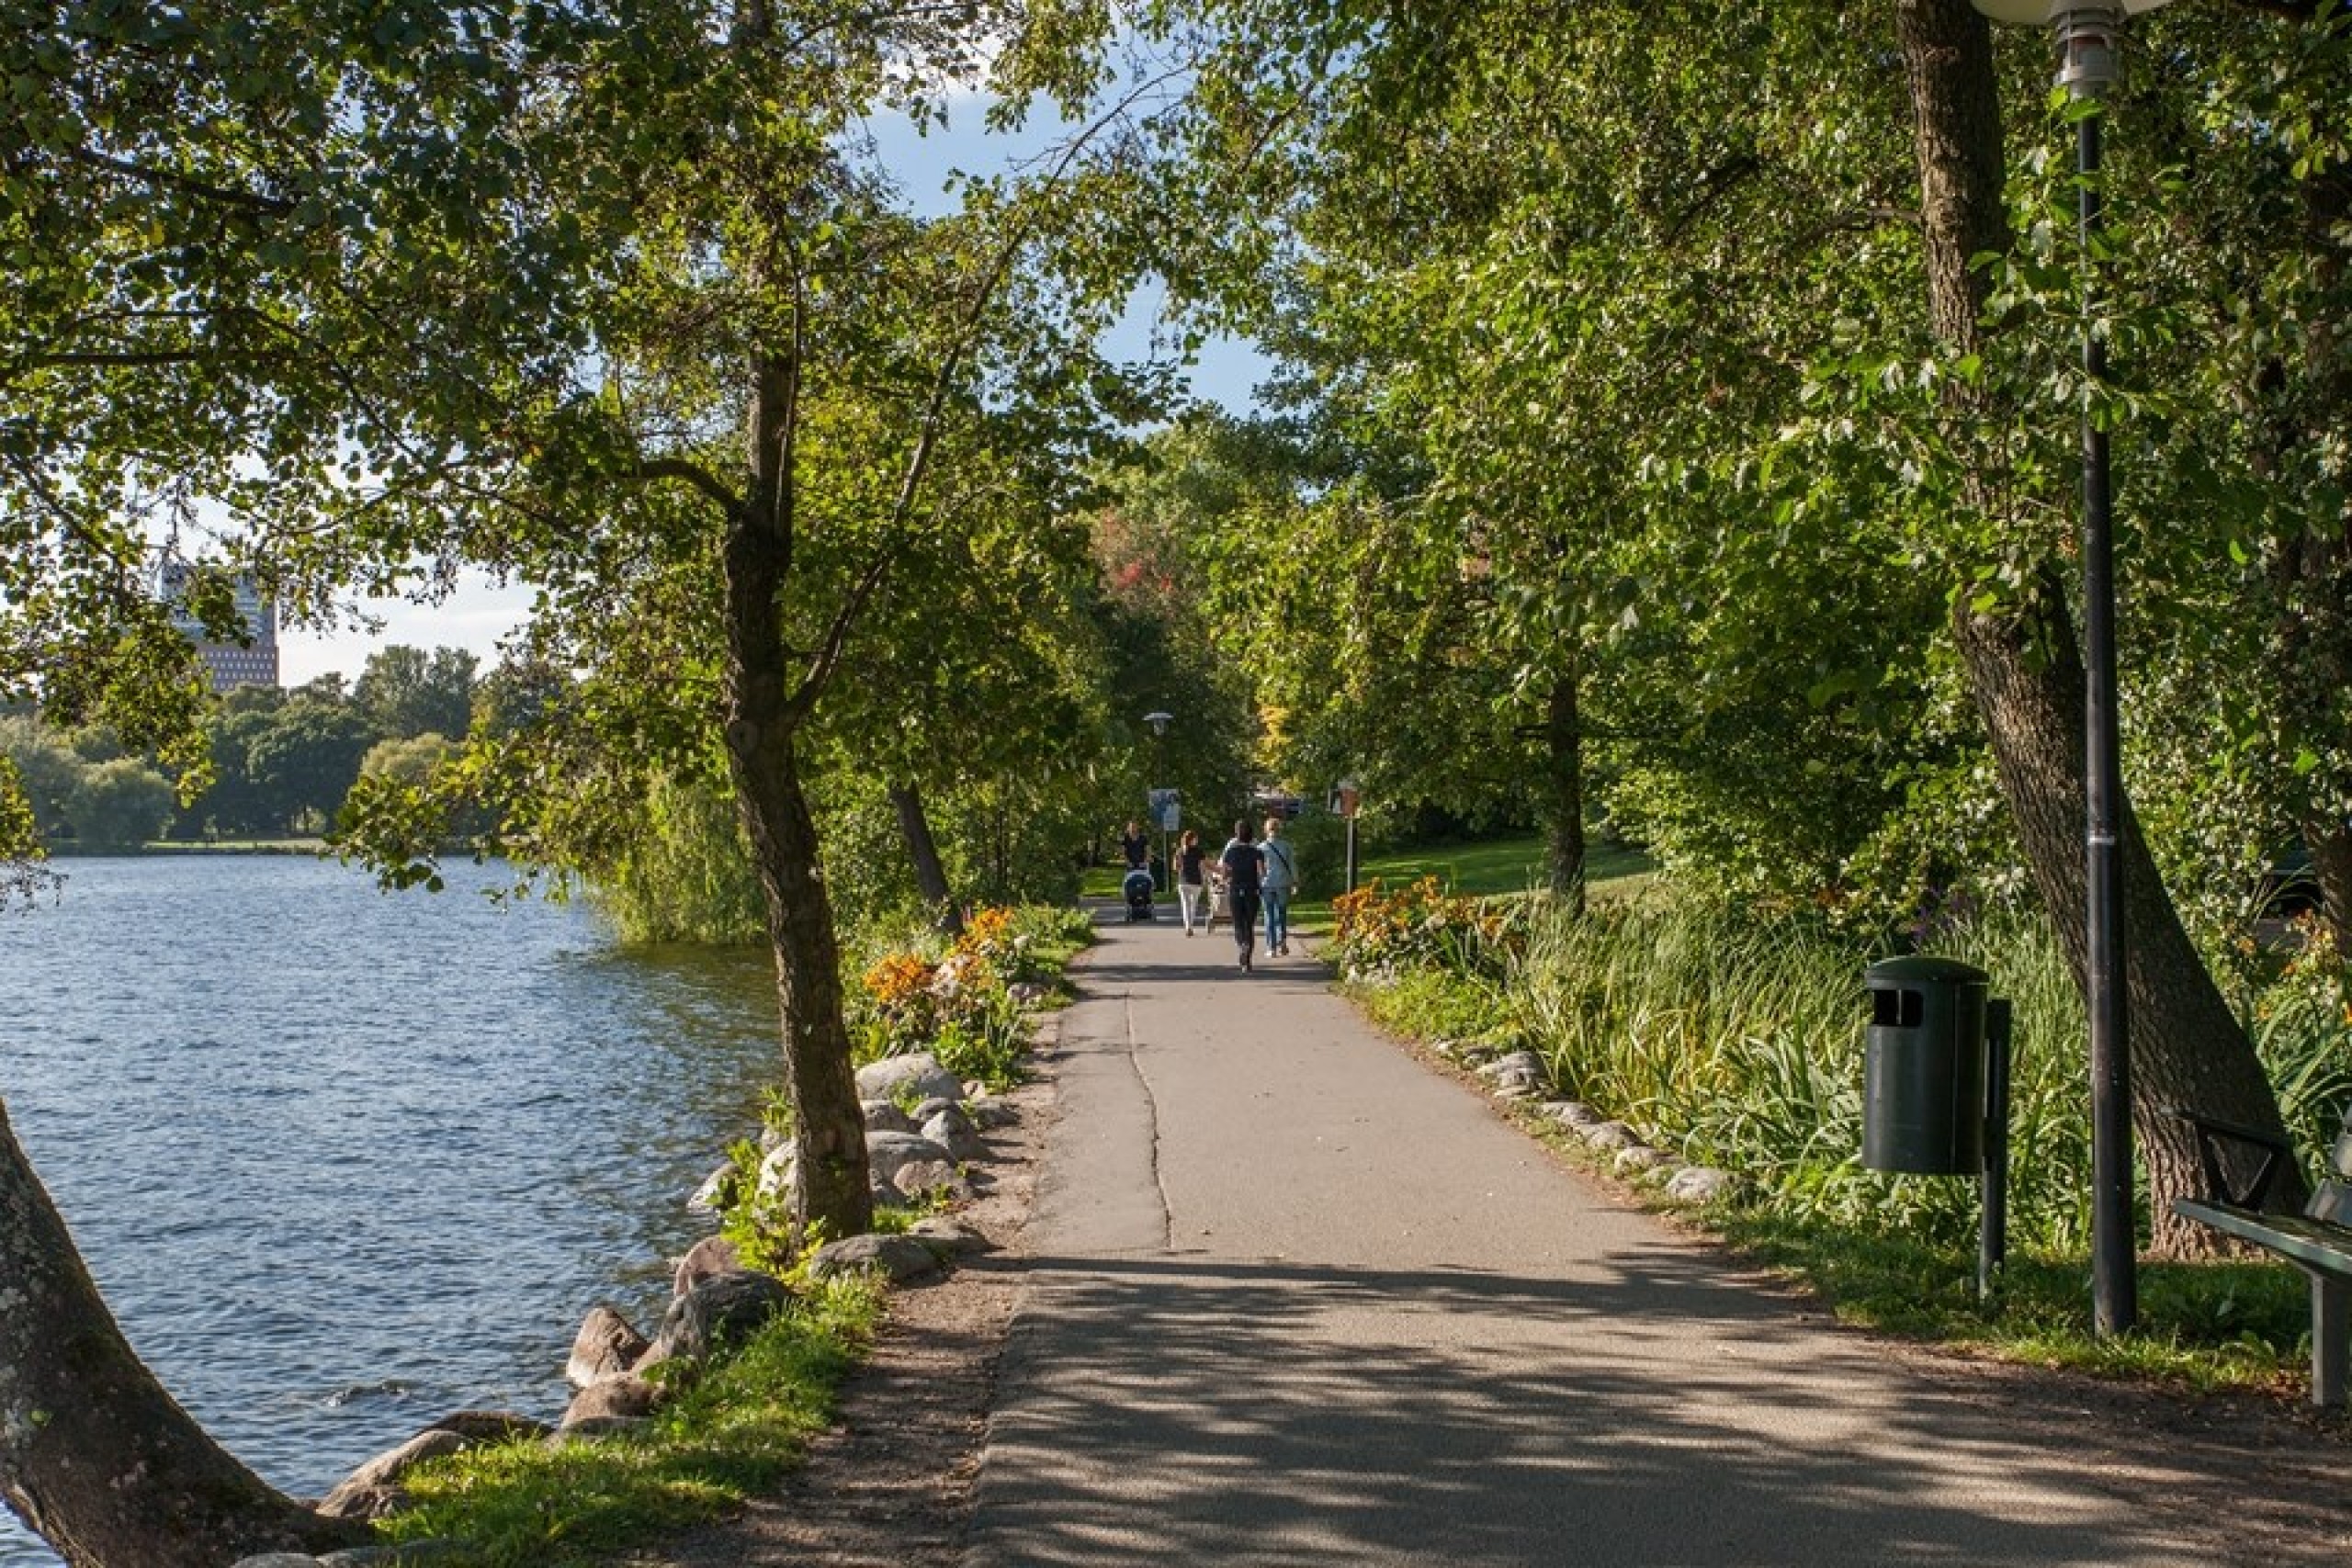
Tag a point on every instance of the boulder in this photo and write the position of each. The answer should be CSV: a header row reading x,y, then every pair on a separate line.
x,y
623,1398
991,1116
899,1258
917,1073
953,1132
883,1116
706,1196
1608,1135
710,1257
1573,1114
932,1107
360,1495
606,1346
919,1178
950,1237
886,1152
1641,1158
724,1309
1701,1184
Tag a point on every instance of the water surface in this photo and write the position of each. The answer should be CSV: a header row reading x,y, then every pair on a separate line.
x,y
341,1161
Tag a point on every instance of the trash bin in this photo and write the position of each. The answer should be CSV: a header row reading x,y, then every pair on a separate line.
x,y
1923,1070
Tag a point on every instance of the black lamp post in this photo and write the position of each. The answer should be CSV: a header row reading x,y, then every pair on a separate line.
x,y
2087,39
1159,721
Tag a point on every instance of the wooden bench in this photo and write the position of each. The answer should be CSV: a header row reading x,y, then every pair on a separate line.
x,y
2319,1241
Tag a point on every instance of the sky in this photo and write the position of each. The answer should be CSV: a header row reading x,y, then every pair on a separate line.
x,y
480,611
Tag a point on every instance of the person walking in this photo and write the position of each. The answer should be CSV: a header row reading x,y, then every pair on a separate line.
x,y
1245,874
1191,889
1281,881
1136,846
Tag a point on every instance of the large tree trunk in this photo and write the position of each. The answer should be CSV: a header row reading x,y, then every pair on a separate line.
x,y
2026,673
931,873
763,716
94,1456
1564,778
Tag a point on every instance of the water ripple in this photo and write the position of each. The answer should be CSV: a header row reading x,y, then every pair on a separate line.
x,y
341,1161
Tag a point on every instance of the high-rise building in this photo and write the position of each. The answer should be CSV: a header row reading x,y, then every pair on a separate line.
x,y
231,665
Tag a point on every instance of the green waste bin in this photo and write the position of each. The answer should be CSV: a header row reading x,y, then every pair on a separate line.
x,y
1923,1069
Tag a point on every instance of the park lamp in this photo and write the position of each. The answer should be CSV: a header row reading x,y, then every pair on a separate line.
x,y
1159,722
2088,39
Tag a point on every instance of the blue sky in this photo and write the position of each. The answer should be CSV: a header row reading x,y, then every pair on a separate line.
x,y
480,611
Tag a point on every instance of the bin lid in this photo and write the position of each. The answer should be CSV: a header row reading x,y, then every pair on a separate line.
x,y
1918,969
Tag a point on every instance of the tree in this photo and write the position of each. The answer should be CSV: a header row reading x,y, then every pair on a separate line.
x,y
405,692
2024,666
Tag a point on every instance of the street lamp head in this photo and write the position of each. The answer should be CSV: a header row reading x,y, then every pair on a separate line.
x,y
2086,36
1159,722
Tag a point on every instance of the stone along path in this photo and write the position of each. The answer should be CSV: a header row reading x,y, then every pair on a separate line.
x,y
1294,1297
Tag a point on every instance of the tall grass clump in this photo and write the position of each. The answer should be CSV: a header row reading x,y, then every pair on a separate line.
x,y
1735,1039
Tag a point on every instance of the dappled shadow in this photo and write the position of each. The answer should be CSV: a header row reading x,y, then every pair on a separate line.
x,y
1203,1410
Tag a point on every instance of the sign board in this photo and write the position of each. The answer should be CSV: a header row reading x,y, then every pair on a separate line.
x,y
1166,809
1343,797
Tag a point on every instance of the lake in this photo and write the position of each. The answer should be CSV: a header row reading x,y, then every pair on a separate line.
x,y
343,1161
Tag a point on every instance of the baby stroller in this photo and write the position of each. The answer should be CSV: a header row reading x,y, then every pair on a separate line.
x,y
1136,889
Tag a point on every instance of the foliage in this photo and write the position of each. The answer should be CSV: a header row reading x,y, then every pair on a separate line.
x,y
716,1446
1377,930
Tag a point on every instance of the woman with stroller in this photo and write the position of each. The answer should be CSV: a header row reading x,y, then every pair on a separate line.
x,y
1245,871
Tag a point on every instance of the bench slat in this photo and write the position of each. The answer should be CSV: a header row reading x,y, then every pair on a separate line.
x,y
2315,1244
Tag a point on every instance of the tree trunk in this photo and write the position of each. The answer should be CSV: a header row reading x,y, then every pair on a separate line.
x,y
94,1456
2330,842
763,715
2026,674
931,875
1564,778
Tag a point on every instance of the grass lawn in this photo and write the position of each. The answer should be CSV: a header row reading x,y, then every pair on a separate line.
x,y
1496,865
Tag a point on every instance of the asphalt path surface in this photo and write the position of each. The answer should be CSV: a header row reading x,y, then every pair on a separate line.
x,y
1295,1297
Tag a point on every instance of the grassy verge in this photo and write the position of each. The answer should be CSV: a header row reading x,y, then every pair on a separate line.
x,y
531,1505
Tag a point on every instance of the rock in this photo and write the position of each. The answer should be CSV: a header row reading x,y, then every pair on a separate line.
x,y
991,1116
883,1116
277,1560
950,1237
623,1398
595,1426
724,1309
1573,1114
932,1107
1701,1184
899,1258
917,1073
349,1502
706,1198
1519,1064
710,1257
953,1132
1608,1135
606,1346
777,1168
918,1178
1641,1158
489,1426
358,1493
886,1152
401,1554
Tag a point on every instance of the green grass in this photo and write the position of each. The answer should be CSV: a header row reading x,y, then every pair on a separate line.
x,y
1496,866
734,1434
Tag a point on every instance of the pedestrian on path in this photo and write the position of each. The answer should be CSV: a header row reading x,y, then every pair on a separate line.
x,y
1281,878
1245,874
1137,847
1189,889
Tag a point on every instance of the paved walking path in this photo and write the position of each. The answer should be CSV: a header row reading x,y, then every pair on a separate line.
x,y
1296,1298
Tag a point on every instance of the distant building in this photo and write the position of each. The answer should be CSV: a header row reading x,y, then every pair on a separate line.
x,y
231,665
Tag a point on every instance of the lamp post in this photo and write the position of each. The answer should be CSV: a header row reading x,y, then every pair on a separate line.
x,y
2087,40
1159,721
